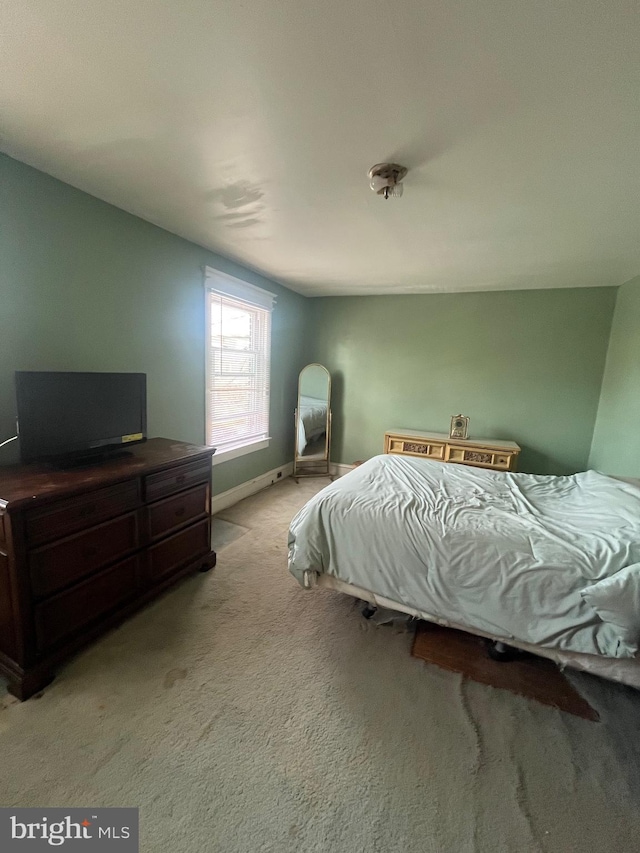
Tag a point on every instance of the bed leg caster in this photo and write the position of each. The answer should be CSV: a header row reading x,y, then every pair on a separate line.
x,y
368,610
501,652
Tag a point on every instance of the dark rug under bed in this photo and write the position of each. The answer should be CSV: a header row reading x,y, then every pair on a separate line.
x,y
528,675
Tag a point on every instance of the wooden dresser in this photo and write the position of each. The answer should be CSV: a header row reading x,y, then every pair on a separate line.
x,y
480,452
82,549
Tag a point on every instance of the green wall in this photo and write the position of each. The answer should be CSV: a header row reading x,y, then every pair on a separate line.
x,y
616,439
524,365
85,286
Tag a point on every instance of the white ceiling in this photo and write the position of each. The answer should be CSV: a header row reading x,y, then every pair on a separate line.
x,y
248,126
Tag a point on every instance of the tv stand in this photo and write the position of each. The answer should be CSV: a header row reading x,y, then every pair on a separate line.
x,y
82,549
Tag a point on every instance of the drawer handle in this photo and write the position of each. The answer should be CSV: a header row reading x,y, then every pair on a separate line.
x,y
180,512
181,478
89,552
87,510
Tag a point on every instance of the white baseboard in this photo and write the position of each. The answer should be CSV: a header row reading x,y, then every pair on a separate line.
x,y
232,496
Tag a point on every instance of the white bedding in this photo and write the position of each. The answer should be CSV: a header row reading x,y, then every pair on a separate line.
x,y
506,554
312,420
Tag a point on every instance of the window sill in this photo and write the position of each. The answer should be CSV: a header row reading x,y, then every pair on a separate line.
x,y
235,452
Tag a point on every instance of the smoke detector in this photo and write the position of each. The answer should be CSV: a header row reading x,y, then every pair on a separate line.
x,y
385,179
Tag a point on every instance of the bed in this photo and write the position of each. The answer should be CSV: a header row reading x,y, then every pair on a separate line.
x,y
312,421
546,564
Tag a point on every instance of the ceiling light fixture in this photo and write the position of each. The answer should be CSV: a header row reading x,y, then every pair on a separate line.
x,y
385,179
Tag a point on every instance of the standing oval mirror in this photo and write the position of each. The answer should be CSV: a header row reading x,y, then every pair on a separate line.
x,y
313,422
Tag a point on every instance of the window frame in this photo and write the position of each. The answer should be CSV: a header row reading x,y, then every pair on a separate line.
x,y
222,283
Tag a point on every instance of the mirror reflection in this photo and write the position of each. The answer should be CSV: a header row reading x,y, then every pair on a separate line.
x,y
313,421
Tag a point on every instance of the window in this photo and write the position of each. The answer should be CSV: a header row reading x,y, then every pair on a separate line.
x,y
238,343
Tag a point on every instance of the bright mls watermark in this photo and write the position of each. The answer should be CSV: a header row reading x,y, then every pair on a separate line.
x,y
103,830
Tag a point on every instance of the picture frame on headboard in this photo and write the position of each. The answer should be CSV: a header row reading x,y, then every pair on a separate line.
x,y
459,427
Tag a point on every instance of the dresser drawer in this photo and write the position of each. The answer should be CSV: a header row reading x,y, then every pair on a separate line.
x,y
503,460
482,458
176,479
66,613
56,566
179,550
68,516
474,456
171,513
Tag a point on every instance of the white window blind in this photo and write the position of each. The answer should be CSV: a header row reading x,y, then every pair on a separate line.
x,y
238,358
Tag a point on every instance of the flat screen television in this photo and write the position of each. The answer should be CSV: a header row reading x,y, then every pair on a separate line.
x,y
70,418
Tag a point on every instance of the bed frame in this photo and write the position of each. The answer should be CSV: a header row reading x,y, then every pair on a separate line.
x,y
624,670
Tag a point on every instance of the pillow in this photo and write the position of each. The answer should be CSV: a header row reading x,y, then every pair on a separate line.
x,y
616,599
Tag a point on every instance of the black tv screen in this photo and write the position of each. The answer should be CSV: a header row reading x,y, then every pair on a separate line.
x,y
73,414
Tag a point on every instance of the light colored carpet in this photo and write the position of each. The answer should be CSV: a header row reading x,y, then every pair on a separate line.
x,y
223,533
243,714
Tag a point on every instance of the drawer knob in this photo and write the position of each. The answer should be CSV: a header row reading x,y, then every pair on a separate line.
x,y
87,510
180,512
89,552
181,478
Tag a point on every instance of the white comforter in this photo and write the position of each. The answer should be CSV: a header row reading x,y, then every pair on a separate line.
x,y
503,553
